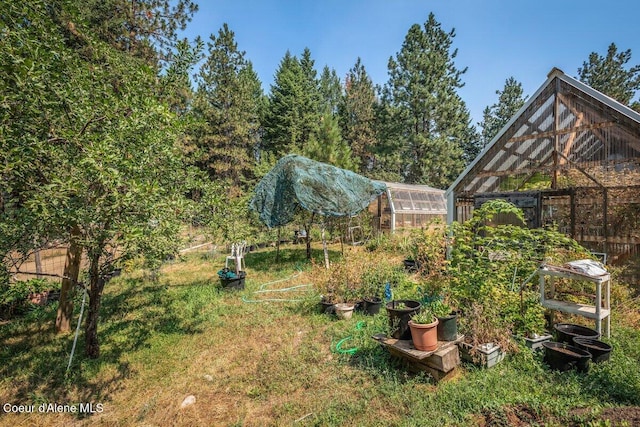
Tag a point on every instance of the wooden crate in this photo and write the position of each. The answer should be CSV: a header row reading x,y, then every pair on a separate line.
x,y
439,363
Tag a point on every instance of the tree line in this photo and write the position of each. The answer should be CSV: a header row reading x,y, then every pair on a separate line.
x,y
110,145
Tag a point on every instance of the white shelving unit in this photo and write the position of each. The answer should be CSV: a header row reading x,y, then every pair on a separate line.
x,y
601,310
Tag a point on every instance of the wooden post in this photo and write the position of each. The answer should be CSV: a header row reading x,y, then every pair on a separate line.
x,y
324,248
278,246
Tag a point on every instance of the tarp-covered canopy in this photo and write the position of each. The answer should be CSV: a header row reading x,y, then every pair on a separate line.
x,y
296,181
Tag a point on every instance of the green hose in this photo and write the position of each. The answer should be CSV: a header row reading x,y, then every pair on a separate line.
x,y
262,289
352,350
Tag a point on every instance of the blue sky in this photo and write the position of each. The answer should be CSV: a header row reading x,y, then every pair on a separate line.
x,y
495,39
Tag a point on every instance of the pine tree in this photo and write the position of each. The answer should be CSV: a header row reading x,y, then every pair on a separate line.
x,y
494,117
227,104
610,76
146,29
436,128
326,145
330,90
357,116
293,111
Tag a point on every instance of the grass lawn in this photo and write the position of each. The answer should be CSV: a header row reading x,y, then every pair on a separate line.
x,y
253,362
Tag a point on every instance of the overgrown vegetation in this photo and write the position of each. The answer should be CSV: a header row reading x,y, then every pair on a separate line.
x,y
275,363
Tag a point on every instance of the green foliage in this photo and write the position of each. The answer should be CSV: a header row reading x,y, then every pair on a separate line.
x,y
494,118
294,106
377,275
489,264
433,122
424,316
227,108
611,76
326,145
357,117
438,307
18,292
146,29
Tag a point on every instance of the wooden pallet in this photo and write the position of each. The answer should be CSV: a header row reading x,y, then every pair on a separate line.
x,y
439,363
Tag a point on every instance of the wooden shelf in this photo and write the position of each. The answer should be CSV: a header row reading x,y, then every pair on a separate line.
x,y
584,310
601,310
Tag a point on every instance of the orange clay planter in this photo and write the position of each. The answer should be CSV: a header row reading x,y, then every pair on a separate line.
x,y
424,335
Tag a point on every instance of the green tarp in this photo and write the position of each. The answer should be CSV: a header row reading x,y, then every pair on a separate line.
x,y
298,182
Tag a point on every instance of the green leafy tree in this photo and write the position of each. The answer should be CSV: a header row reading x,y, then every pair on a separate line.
x,y
311,97
494,117
176,81
612,76
423,81
358,116
227,107
89,154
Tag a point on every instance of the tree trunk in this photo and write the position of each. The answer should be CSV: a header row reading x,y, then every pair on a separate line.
x,y
307,228
71,272
92,349
38,260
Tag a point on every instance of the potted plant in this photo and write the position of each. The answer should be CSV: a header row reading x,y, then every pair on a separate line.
x,y
447,320
487,337
373,280
400,312
424,332
338,285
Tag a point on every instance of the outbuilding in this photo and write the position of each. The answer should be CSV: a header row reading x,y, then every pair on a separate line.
x,y
570,158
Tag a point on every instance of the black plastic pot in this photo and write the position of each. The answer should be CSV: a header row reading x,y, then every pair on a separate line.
x,y
410,265
234,283
327,307
563,357
600,351
371,306
566,332
448,327
399,317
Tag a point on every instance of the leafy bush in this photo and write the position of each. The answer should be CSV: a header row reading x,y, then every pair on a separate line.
x,y
14,297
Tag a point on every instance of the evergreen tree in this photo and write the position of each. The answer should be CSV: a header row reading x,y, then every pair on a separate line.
x,y
294,105
146,29
611,76
436,125
330,91
326,145
494,117
310,97
357,116
227,105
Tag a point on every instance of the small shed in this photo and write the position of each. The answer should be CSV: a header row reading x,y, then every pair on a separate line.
x,y
404,206
570,158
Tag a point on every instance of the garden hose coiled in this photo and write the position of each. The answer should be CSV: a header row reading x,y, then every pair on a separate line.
x,y
352,350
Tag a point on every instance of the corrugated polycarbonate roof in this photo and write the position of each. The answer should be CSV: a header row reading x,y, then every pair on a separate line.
x,y
565,125
416,199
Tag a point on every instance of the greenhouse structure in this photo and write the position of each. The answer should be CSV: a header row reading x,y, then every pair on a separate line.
x,y
570,158
404,206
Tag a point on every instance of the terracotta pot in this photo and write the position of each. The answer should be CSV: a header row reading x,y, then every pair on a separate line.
x,y
424,336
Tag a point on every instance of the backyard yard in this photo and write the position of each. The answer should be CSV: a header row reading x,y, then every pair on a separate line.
x,y
257,357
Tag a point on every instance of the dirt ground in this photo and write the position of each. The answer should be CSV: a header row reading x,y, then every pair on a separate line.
x,y
521,416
